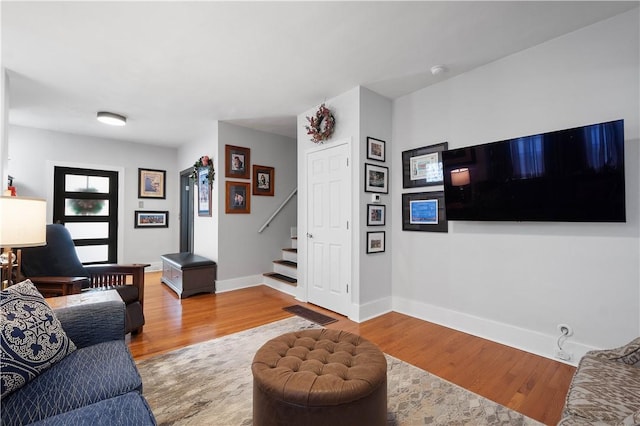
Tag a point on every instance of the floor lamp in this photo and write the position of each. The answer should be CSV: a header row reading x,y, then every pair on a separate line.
x,y
23,223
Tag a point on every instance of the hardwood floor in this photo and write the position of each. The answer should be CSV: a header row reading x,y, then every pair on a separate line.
x,y
532,385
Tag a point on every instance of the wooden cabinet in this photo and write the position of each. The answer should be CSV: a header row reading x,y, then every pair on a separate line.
x,y
188,274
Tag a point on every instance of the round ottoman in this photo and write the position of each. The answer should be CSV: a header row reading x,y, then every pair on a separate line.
x,y
319,377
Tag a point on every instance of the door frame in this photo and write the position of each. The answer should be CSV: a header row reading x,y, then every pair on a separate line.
x,y
186,209
303,291
122,224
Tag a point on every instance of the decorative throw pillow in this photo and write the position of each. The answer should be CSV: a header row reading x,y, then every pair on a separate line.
x,y
32,337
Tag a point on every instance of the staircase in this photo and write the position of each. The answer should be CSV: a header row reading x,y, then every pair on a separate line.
x,y
285,271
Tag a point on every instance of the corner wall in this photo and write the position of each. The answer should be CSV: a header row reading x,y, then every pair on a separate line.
x,y
514,282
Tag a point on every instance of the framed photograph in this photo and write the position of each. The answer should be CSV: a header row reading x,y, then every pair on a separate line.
x,y
204,192
375,242
375,149
237,162
423,166
376,214
263,183
237,197
424,211
376,178
151,219
152,183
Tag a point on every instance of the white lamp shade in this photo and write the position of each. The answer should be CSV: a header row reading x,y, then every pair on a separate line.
x,y
460,177
23,222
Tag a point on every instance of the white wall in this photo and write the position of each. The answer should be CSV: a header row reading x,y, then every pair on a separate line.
x,y
514,282
4,128
244,254
34,152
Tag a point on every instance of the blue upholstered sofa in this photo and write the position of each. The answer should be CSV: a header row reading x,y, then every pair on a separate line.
x,y
97,384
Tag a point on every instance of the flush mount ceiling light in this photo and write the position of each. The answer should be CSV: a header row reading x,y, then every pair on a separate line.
x,y
438,69
111,118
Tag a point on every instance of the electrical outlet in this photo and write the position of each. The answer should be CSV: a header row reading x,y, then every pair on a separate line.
x,y
563,355
565,330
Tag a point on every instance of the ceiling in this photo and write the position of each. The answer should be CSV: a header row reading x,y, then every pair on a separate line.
x,y
173,68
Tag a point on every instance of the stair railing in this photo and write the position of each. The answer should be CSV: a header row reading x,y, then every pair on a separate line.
x,y
284,203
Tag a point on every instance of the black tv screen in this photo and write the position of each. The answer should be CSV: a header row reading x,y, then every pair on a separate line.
x,y
572,175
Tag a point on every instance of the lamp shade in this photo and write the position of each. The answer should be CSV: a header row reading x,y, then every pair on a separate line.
x,y
460,177
23,222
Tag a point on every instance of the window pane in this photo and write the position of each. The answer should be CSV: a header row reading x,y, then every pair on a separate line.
x,y
93,253
85,230
77,207
80,183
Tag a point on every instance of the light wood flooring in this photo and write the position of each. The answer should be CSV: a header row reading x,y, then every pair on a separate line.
x,y
530,384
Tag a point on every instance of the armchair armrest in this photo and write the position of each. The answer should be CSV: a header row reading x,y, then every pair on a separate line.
x,y
115,275
93,323
628,354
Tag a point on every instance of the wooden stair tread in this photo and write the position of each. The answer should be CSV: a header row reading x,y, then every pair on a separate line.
x,y
290,250
280,277
286,263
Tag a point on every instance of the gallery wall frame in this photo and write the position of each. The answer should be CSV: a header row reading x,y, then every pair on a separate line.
x,y
376,178
204,192
423,166
375,149
152,183
263,180
237,162
424,211
375,242
237,197
376,214
151,219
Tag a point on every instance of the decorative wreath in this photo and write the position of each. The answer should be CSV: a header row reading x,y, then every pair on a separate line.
x,y
204,161
321,126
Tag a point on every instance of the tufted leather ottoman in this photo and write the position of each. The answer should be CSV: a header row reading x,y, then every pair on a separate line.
x,y
319,377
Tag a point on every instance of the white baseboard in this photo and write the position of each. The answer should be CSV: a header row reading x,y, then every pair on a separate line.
x,y
370,310
520,338
238,283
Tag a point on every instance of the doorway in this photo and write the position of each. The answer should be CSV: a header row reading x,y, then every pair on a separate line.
x,y
186,211
329,210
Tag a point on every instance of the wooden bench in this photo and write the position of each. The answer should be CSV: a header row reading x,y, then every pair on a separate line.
x,y
188,274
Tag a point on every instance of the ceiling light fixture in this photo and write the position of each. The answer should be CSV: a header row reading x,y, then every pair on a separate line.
x,y
111,118
438,69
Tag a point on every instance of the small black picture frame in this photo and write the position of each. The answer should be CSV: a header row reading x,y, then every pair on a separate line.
x,y
152,183
151,219
423,166
375,149
424,211
375,242
376,214
376,178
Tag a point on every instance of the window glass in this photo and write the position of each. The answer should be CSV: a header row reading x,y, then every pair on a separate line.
x,y
82,183
93,253
86,230
84,207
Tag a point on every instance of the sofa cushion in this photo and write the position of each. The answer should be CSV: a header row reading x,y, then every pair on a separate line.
x,y
124,410
603,390
31,336
86,376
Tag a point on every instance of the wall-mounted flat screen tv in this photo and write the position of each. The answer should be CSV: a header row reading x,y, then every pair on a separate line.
x,y
572,175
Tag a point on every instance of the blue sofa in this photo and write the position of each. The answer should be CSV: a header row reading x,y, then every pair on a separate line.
x,y
97,384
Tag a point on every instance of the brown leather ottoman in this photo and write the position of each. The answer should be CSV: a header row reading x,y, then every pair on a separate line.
x,y
319,377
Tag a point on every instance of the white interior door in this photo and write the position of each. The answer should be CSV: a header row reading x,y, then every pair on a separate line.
x,y
328,228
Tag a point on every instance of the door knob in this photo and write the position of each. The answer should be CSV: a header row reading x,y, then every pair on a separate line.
x,y
309,235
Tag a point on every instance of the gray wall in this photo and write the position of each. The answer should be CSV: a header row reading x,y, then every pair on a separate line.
x,y
34,152
514,282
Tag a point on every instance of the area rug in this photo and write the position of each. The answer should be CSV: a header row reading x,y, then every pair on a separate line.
x,y
309,314
210,383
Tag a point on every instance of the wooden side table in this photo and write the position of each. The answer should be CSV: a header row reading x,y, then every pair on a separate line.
x,y
58,286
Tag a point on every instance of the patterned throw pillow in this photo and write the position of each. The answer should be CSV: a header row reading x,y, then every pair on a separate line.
x,y
32,337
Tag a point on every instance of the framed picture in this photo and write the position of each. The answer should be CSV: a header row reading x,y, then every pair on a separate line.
x,y
375,149
263,183
204,192
376,214
152,183
375,242
423,166
151,219
376,178
424,211
237,197
237,162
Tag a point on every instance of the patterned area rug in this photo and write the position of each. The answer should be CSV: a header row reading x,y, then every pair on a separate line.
x,y
210,383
